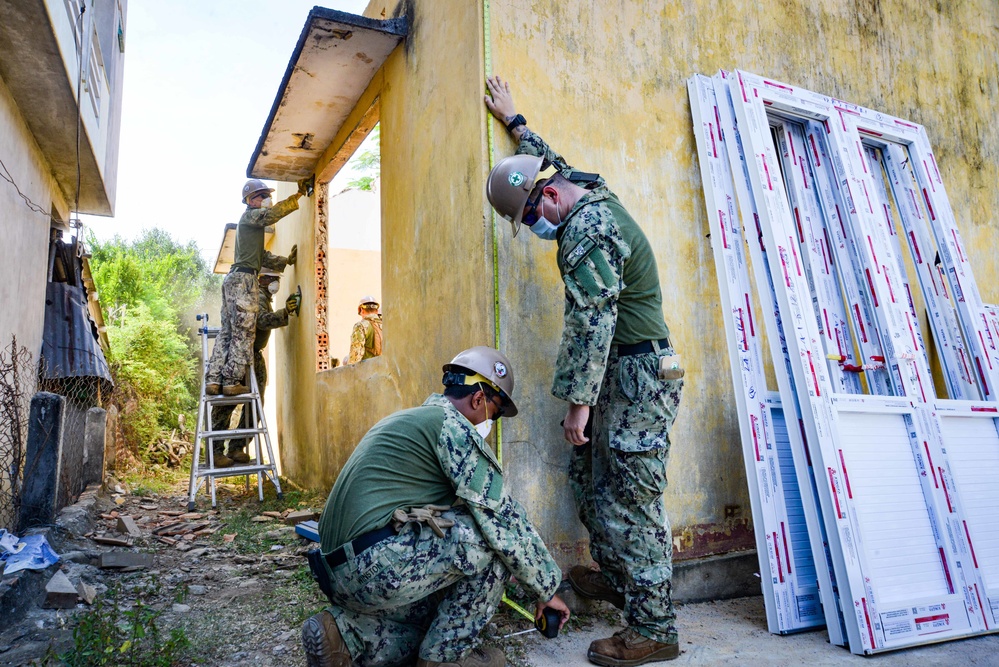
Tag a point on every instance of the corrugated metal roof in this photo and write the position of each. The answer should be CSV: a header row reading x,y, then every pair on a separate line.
x,y
70,347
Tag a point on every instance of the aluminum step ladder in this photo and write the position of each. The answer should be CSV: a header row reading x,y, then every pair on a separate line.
x,y
262,464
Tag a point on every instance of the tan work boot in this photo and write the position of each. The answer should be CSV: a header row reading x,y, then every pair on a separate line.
x,y
239,456
592,584
235,390
213,389
221,460
477,657
627,648
324,646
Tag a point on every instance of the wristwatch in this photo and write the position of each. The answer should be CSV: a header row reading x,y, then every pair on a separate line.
x,y
517,121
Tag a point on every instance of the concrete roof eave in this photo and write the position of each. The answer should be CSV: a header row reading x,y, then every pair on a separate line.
x,y
335,59
227,251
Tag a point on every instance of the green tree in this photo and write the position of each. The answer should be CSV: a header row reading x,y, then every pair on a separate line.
x,y
367,161
149,288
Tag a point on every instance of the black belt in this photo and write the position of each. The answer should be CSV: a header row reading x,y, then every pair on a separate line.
x,y
242,269
644,347
338,556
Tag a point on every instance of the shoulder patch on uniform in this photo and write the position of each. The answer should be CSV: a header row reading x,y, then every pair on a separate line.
x,y
579,252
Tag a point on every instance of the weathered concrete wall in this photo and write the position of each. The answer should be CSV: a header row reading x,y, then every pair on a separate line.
x,y
605,84
25,232
437,287
25,236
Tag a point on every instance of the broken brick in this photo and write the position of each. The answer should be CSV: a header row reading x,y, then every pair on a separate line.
x,y
60,593
299,516
126,525
124,559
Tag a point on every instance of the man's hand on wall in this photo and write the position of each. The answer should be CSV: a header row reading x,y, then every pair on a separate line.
x,y
499,101
293,255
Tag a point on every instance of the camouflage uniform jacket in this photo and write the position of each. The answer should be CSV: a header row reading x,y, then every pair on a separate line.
x,y
478,480
593,257
366,339
267,319
249,250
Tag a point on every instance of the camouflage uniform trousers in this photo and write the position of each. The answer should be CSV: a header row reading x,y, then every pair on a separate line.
x,y
234,344
222,415
618,480
417,595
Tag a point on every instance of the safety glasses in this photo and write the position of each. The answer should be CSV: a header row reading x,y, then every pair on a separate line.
x,y
531,212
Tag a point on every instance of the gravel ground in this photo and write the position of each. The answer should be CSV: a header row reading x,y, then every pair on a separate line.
x,y
241,601
734,633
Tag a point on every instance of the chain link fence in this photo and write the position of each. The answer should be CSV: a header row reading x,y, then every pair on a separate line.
x,y
18,382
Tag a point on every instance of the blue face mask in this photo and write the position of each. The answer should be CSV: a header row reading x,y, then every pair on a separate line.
x,y
543,229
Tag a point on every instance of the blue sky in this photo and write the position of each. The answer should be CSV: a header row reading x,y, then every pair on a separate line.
x,y
200,78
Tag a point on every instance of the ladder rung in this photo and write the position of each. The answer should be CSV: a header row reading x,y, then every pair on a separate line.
x,y
236,471
230,433
231,400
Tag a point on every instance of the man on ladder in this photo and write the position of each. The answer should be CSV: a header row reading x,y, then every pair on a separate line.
x,y
234,344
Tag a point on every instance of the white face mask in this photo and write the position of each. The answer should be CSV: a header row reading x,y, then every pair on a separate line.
x,y
272,287
484,428
267,203
486,425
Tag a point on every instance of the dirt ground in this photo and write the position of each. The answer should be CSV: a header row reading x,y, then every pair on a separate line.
x,y
240,590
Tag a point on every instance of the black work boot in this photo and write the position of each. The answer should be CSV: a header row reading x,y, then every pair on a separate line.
x,y
324,646
235,390
477,657
594,585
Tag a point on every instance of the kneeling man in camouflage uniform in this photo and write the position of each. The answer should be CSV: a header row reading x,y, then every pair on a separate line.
x,y
418,536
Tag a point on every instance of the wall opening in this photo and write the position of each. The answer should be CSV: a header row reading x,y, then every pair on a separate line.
x,y
349,241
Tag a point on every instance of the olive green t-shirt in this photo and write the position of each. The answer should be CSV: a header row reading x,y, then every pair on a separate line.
x,y
395,465
640,303
248,252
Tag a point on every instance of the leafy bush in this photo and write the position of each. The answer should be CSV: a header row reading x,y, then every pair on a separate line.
x,y
150,289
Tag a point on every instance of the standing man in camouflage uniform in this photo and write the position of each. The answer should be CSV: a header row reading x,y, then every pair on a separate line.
x,y
608,370
366,337
267,319
234,344
419,536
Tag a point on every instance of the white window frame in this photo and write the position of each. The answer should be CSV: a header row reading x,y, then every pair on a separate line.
x,y
867,631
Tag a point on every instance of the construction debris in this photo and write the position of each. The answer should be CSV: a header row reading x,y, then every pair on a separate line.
x,y
124,559
86,592
112,541
126,525
60,593
299,516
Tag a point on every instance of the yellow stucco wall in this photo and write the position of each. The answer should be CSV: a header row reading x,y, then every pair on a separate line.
x,y
605,84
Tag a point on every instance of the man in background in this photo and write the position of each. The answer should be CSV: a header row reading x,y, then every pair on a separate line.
x,y
366,337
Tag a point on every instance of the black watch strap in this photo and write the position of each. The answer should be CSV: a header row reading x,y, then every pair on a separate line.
x,y
517,121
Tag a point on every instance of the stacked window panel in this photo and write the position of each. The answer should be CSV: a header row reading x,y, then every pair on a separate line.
x,y
899,526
